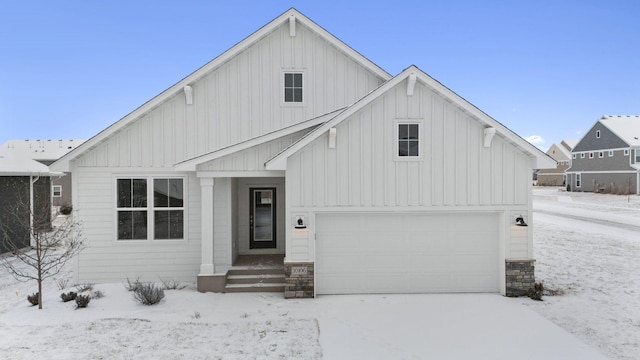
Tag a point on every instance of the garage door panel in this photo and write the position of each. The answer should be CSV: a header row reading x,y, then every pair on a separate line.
x,y
406,253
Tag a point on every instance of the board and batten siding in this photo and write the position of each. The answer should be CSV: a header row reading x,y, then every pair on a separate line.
x,y
454,171
108,260
239,100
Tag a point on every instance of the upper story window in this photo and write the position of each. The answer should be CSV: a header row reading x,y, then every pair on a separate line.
x,y
56,190
590,155
601,154
293,87
408,140
610,153
597,134
581,155
135,210
574,155
626,152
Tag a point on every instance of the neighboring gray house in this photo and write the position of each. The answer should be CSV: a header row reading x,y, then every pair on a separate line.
x,y
293,144
607,158
46,152
561,153
25,200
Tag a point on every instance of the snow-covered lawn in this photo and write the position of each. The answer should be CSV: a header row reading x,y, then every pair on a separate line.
x,y
586,244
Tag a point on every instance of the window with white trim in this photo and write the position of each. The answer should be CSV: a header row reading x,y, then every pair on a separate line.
x,y
293,87
165,210
626,152
578,180
597,134
56,190
637,156
610,153
574,155
581,155
590,155
601,154
408,140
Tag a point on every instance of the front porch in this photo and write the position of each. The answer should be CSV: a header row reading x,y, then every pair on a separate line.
x,y
243,234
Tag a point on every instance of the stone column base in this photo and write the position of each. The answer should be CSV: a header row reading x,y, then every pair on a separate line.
x,y
520,277
299,281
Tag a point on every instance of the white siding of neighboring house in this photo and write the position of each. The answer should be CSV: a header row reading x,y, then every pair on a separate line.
x,y
109,260
455,172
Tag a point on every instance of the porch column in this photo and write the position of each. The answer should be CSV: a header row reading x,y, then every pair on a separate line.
x,y
206,225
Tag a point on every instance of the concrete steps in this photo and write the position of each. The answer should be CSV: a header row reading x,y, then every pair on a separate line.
x,y
255,279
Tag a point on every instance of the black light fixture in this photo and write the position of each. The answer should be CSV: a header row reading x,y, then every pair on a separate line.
x,y
520,221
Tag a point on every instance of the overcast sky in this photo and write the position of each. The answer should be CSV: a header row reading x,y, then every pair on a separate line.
x,y
546,69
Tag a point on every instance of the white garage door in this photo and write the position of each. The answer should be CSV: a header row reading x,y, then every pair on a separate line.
x,y
406,253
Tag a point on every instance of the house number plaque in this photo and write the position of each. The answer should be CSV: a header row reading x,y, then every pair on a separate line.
x,y
298,270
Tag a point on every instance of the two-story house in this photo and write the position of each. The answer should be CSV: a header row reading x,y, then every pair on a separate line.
x,y
607,158
561,153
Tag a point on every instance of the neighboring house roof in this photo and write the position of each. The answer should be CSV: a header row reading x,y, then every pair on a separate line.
x,y
543,161
12,165
39,149
569,144
560,147
63,163
626,127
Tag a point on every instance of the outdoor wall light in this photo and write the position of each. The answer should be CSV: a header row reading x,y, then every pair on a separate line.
x,y
520,221
300,223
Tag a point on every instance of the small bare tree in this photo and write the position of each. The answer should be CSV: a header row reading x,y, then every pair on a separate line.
x,y
52,243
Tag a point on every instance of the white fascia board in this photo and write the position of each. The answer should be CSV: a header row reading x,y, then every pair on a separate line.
x,y
191,164
62,164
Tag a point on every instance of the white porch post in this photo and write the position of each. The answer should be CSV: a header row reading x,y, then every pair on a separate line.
x,y
206,226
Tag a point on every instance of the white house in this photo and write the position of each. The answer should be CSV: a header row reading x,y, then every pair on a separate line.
x,y
293,143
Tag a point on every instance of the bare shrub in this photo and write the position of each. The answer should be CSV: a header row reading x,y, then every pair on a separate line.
x,y
132,285
62,283
84,287
97,294
172,284
148,294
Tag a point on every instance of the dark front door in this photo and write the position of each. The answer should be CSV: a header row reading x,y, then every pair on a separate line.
x,y
262,218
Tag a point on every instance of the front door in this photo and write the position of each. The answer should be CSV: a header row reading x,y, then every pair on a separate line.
x,y
262,219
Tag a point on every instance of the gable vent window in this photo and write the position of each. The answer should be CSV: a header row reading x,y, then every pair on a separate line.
x,y
293,87
597,134
408,140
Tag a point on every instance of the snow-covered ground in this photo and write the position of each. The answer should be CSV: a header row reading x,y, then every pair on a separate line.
x,y
587,245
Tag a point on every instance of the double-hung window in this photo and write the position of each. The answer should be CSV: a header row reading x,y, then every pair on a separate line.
x,y
408,140
56,190
637,156
293,87
150,208
578,180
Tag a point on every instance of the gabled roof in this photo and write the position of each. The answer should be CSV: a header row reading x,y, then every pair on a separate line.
x,y
544,161
285,18
626,127
39,149
191,164
562,148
